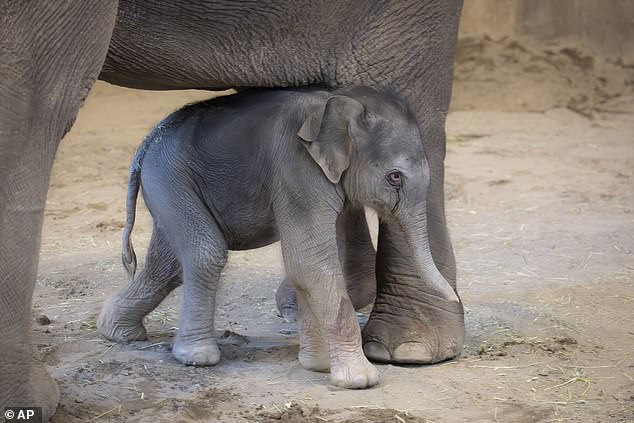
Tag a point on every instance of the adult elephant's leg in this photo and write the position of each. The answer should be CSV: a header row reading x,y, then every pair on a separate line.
x,y
121,318
408,323
50,54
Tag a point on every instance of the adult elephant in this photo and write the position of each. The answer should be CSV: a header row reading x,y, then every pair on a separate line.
x,y
52,52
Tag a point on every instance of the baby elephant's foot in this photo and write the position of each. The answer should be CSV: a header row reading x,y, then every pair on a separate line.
x,y
196,353
120,324
286,301
354,374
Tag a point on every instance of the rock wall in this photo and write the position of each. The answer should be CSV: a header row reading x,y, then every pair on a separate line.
x,y
606,27
539,54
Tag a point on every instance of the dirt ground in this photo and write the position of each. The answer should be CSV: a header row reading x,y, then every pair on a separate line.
x,y
541,211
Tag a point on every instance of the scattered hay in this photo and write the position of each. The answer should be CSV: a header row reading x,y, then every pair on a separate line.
x,y
555,345
291,412
118,408
164,316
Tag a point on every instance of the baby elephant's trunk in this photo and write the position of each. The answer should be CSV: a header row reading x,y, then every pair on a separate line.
x,y
414,225
128,257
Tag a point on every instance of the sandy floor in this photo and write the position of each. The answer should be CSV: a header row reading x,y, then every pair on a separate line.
x,y
541,209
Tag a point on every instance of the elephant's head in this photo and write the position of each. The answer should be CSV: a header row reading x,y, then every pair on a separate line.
x,y
371,144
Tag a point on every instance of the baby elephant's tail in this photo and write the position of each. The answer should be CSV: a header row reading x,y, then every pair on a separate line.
x,y
128,257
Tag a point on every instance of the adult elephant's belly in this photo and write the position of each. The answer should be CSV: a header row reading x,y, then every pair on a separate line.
x,y
220,44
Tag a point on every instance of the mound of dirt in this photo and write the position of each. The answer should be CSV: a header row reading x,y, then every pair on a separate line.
x,y
515,74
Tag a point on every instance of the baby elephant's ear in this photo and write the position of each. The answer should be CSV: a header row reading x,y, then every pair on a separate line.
x,y
328,134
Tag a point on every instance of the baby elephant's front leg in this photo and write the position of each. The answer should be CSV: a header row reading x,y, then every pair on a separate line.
x,y
330,336
349,367
334,345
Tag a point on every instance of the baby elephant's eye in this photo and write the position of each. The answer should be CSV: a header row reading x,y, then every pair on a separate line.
x,y
395,179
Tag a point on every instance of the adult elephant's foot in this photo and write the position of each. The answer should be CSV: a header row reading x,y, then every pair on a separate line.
x,y
357,373
200,352
43,390
121,321
411,326
28,385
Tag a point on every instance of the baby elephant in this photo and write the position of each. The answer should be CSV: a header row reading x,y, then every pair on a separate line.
x,y
243,171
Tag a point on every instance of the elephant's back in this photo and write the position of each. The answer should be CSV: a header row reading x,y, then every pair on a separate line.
x,y
239,129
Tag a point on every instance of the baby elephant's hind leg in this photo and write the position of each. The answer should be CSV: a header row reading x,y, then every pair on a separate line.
x,y
287,302
121,318
203,254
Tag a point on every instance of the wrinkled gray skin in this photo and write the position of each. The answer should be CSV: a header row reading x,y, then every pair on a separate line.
x,y
51,53
243,171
